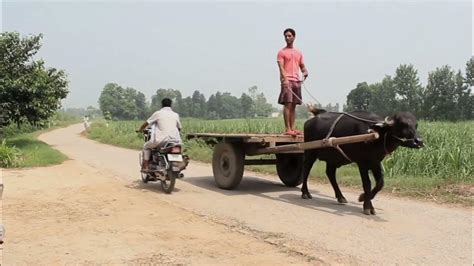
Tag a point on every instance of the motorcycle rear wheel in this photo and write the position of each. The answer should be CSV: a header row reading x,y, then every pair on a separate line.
x,y
168,185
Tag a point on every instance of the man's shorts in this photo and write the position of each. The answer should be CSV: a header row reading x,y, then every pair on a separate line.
x,y
285,94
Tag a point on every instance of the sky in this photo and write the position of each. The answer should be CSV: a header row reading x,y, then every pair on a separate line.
x,y
227,46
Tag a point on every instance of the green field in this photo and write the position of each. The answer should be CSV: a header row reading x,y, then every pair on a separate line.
x,y
443,170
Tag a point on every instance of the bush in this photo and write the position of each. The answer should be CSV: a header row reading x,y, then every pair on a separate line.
x,y
9,156
12,129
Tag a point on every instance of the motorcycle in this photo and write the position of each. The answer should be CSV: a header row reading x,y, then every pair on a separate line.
x,y
166,163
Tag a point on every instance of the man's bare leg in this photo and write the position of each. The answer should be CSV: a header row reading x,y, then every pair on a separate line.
x,y
292,116
146,165
146,161
287,116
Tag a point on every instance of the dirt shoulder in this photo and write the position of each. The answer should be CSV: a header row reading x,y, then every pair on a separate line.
x,y
73,213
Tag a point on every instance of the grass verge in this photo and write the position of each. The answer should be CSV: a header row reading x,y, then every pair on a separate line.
x,y
33,152
25,150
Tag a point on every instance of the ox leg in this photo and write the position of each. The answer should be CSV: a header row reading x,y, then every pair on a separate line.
x,y
309,159
331,173
365,197
378,176
379,183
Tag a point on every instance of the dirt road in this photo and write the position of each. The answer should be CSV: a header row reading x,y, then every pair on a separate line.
x,y
93,209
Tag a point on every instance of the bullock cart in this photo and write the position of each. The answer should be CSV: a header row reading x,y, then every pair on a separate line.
x,y
231,150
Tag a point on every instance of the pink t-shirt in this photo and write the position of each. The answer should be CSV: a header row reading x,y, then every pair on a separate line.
x,y
291,58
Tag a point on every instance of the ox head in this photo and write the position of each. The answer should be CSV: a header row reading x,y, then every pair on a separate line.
x,y
403,127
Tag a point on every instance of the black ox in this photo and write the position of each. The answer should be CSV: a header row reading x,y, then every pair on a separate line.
x,y
398,130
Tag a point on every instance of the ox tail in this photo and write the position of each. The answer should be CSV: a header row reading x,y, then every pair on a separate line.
x,y
316,111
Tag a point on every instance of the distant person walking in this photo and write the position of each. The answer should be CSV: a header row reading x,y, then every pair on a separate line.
x,y
86,122
290,62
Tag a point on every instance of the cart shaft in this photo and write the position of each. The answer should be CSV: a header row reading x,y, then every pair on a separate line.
x,y
316,144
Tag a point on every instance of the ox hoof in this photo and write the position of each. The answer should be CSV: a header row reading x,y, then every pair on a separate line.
x,y
306,196
369,211
361,197
342,200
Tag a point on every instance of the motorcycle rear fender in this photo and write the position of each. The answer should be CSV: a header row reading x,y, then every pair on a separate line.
x,y
178,166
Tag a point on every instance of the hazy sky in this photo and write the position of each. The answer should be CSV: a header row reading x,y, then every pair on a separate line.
x,y
230,46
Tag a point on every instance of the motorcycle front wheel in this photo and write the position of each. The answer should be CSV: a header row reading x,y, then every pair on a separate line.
x,y
168,185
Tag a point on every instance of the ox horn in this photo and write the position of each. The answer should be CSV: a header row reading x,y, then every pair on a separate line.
x,y
388,121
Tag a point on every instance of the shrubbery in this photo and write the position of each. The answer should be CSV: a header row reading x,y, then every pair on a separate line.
x,y
9,156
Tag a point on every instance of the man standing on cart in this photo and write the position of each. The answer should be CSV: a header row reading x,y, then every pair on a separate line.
x,y
290,63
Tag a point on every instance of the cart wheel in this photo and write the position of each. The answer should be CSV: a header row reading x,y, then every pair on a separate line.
x,y
228,165
289,168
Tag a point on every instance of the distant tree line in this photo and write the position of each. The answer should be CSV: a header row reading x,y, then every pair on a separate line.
x,y
90,111
447,96
128,103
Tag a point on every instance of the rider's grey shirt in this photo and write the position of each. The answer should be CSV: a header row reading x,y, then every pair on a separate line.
x,y
165,123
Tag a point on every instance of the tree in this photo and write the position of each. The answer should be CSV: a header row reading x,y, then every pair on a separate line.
x,y
467,100
383,97
462,94
229,106
174,95
3,120
110,100
470,72
199,107
262,108
29,92
253,92
141,105
122,103
212,108
359,98
129,104
247,106
92,112
408,89
439,95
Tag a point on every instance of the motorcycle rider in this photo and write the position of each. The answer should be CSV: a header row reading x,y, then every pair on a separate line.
x,y
165,127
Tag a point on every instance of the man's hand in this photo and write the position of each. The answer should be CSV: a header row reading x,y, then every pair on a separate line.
x,y
142,127
305,75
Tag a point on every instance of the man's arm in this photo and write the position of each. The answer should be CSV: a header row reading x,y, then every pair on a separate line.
x,y
282,72
304,70
142,127
280,61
